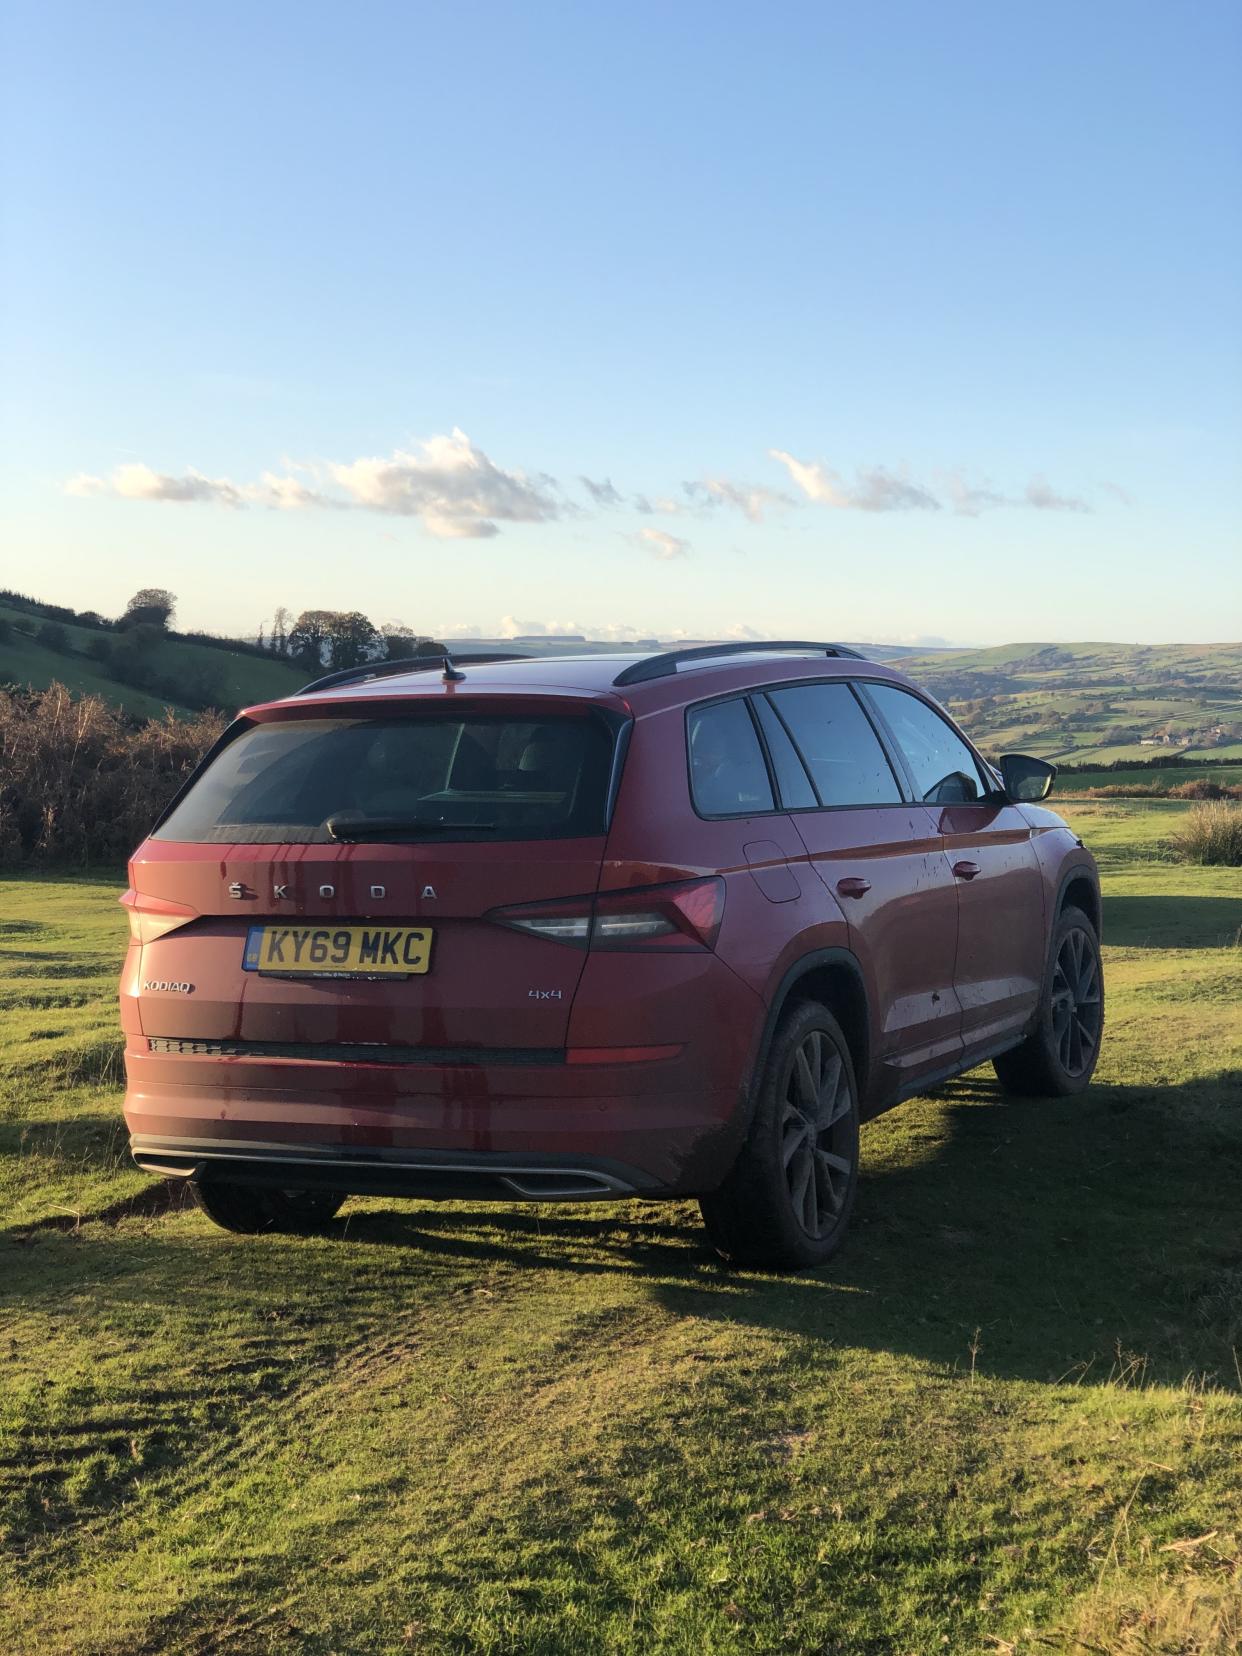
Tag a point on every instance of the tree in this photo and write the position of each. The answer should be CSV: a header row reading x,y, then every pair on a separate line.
x,y
308,637
398,639
279,641
352,638
155,604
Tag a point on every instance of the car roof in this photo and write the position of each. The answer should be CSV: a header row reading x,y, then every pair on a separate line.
x,y
590,677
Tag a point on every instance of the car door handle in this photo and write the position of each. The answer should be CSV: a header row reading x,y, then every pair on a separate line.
x,y
852,886
965,870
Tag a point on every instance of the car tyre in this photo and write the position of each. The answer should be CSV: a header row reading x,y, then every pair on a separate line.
x,y
1059,1057
253,1209
786,1202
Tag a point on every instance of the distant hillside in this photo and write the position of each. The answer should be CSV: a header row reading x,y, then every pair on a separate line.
x,y
1093,703
142,674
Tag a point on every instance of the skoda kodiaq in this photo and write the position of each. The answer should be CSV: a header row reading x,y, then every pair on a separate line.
x,y
609,926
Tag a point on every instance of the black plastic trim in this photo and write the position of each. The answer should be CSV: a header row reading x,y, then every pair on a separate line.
x,y
802,968
353,1052
438,1174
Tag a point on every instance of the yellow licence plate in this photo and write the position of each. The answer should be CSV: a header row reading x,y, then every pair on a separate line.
x,y
337,951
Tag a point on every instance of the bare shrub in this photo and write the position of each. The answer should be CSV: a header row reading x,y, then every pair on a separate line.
x,y
78,783
1202,787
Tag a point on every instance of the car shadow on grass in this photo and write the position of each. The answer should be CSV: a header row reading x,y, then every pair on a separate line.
x,y
1172,922
1089,1238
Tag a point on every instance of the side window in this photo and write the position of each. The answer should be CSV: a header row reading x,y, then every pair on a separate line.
x,y
945,772
840,749
791,777
727,774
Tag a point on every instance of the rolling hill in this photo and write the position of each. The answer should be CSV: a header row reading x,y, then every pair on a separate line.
x,y
177,673
1093,703
1089,704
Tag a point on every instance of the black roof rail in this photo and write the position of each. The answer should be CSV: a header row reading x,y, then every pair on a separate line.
x,y
441,662
661,666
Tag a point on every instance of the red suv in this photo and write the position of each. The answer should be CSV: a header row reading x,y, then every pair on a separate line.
x,y
606,926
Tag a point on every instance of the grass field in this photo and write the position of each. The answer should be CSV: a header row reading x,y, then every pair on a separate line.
x,y
241,678
1159,776
1007,1418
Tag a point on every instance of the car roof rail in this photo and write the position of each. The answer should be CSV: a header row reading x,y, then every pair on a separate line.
x,y
441,661
661,666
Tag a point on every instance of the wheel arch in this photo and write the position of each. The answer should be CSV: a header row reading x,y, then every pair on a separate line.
x,y
834,977
1079,889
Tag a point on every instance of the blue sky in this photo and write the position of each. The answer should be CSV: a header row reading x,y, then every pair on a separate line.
x,y
887,321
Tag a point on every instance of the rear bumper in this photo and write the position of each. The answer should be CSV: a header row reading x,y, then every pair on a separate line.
x,y
438,1175
501,1130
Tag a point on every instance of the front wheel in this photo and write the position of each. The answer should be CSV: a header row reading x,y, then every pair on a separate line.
x,y
786,1202
1059,1056
251,1209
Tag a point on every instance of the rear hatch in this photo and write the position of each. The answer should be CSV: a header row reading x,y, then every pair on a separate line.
x,y
325,879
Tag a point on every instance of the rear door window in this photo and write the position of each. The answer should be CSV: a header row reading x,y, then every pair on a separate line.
x,y
791,778
421,777
943,767
728,776
835,738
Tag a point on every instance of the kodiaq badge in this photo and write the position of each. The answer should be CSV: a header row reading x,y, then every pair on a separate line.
x,y
280,892
378,891
430,891
327,891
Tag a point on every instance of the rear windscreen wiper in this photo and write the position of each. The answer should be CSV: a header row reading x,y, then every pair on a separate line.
x,y
343,827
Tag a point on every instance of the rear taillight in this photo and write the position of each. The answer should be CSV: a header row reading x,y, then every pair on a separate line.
x,y
152,917
679,917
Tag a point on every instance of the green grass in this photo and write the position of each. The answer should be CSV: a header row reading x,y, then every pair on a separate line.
x,y
242,678
1159,776
1008,1417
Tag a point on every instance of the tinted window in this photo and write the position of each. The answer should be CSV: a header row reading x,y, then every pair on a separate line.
x,y
407,778
834,736
945,772
727,774
791,777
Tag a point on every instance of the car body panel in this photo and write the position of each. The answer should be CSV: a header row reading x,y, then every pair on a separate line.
x,y
635,1061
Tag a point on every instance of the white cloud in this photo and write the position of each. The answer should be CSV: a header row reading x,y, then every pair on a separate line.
x,y
874,488
139,482
289,494
603,493
663,545
1041,495
968,500
454,489
751,499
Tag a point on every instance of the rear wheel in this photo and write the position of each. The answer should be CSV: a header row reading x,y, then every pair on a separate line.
x,y
787,1199
251,1209
1058,1058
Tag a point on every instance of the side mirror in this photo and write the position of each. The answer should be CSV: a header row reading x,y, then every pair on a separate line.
x,y
1026,779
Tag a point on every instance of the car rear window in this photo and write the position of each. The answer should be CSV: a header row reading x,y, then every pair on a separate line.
x,y
481,777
